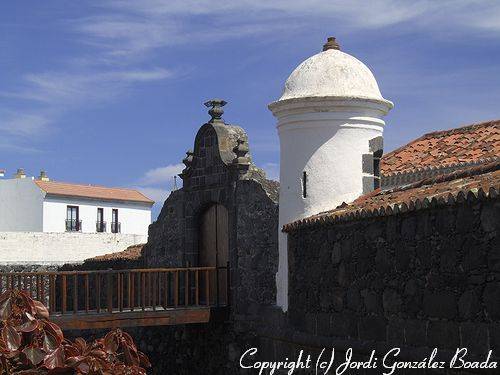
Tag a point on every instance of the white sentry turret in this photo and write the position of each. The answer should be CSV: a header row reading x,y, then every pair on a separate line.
x,y
330,128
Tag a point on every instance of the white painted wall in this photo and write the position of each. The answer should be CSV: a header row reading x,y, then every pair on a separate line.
x,y
134,217
20,205
60,248
325,137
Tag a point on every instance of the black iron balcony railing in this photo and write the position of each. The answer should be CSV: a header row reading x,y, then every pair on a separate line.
x,y
73,225
116,227
100,226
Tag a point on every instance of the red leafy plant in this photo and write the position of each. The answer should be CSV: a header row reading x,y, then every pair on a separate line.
x,y
31,344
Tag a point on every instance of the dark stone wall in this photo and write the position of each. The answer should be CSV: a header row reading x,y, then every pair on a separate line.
x,y
256,261
189,349
430,278
166,235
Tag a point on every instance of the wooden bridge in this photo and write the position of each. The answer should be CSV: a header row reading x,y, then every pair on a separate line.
x,y
126,298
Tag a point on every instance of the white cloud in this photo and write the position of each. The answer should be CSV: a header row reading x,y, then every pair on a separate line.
x,y
157,183
59,92
63,88
160,21
156,194
162,175
22,124
21,149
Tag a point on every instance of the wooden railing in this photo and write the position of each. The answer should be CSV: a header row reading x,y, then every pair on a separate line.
x,y
113,291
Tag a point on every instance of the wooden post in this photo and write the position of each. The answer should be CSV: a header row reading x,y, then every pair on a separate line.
x,y
149,289
207,287
75,293
52,299
129,289
37,277
176,288
158,286
42,289
87,293
109,293
98,292
132,294
63,286
143,290
166,286
197,288
186,287
152,288
120,291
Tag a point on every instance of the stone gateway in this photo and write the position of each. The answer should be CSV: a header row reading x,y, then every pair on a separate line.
x,y
224,215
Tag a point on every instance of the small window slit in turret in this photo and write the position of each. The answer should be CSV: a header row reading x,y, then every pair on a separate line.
x,y
304,184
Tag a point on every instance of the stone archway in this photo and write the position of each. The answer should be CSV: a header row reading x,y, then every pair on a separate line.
x,y
213,247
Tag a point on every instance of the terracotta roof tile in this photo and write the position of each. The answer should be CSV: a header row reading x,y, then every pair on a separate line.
x,y
133,252
476,182
467,145
92,191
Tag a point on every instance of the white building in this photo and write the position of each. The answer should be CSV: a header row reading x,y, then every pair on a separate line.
x,y
330,128
47,221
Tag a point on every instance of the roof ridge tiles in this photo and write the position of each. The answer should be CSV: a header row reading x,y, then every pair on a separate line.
x,y
445,149
461,173
462,129
92,191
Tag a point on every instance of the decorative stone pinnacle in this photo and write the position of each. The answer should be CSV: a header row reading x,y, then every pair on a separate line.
x,y
331,43
241,161
188,160
241,149
216,110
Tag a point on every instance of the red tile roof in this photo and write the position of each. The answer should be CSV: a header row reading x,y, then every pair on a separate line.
x,y
478,182
467,145
133,252
92,191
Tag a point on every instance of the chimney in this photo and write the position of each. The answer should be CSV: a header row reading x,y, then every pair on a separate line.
x,y
20,173
43,176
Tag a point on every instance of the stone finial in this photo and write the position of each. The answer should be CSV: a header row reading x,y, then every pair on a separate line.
x,y
331,43
20,173
188,160
241,161
216,110
43,176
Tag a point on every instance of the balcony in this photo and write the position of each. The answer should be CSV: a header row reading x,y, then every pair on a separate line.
x,y
116,227
100,226
73,225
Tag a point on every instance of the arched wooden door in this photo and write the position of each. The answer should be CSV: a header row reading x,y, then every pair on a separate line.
x,y
213,249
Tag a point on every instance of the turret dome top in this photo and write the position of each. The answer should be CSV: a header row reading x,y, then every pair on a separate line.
x,y
332,73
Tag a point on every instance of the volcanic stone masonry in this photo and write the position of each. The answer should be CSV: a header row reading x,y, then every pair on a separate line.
x,y
429,278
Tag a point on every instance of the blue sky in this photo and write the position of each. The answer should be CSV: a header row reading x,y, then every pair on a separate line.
x,y
110,92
